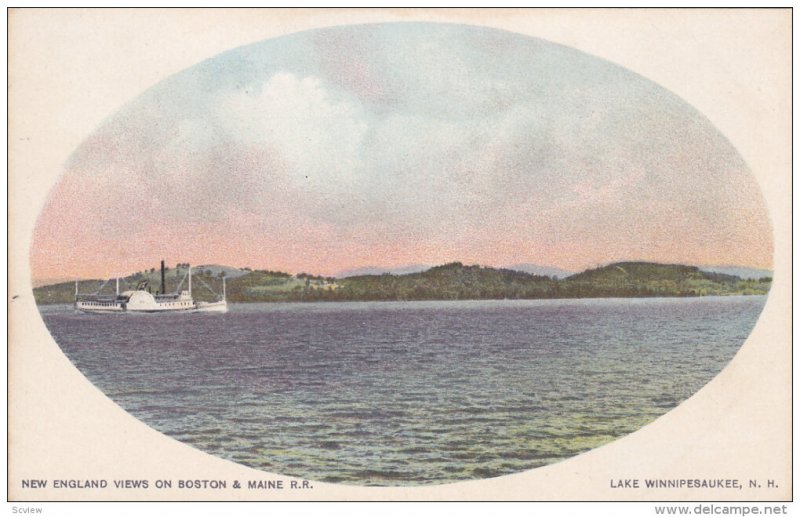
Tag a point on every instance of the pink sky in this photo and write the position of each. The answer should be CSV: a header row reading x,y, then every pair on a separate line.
x,y
401,144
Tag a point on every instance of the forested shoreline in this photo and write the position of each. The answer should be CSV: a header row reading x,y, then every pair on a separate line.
x,y
452,281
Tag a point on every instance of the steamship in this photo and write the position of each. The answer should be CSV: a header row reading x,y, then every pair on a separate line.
x,y
142,300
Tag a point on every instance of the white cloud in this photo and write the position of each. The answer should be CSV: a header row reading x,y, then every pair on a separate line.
x,y
316,133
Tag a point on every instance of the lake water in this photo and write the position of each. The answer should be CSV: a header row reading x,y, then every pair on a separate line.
x,y
407,393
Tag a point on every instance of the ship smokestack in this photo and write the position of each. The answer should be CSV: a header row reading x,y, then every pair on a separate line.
x,y
163,282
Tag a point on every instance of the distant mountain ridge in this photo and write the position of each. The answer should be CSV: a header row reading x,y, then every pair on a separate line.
x,y
536,269
742,272
541,270
375,270
456,281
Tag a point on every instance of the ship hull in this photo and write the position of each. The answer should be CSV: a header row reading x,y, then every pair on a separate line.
x,y
120,309
221,306
99,308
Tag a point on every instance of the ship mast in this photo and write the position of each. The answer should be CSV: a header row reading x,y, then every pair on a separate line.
x,y
163,281
190,280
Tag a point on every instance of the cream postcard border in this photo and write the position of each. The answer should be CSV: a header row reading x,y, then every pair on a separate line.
x,y
70,69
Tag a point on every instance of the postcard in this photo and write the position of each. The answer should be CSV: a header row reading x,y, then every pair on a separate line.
x,y
399,254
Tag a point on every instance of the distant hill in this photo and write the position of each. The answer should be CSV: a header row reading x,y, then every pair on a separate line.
x,y
453,281
533,269
626,279
742,272
230,272
374,270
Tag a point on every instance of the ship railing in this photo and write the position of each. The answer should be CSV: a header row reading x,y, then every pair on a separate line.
x,y
167,296
98,298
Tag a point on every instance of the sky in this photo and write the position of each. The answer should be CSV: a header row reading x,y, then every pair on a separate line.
x,y
394,144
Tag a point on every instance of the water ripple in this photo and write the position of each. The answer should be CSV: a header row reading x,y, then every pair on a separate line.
x,y
407,393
